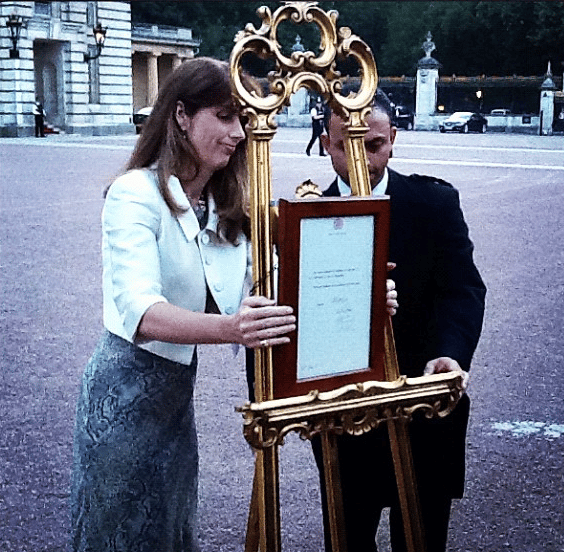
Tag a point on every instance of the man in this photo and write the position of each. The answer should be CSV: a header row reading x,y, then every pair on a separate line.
x,y
317,115
437,327
39,115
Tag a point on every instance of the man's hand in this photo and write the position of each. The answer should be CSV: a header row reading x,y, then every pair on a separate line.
x,y
391,293
446,364
391,297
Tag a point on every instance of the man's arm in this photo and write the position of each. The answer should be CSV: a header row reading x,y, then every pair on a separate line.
x,y
460,291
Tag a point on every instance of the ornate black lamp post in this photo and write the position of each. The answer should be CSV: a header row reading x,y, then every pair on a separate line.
x,y
99,36
15,23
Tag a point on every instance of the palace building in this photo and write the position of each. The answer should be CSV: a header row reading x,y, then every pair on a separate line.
x,y
85,62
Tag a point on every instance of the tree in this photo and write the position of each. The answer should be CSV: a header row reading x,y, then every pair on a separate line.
x,y
472,38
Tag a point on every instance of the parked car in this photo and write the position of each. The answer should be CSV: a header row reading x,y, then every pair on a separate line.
x,y
464,121
140,117
500,112
403,117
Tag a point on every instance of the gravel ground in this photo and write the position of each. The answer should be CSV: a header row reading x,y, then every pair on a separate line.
x,y
50,318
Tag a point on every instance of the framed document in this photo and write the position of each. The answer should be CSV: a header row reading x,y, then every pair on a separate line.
x,y
332,271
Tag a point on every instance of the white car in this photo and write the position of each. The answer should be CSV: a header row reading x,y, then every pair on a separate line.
x,y
140,117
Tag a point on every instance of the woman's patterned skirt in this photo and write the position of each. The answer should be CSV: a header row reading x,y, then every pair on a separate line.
x,y
135,476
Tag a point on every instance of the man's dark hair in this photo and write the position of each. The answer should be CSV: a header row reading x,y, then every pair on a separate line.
x,y
382,103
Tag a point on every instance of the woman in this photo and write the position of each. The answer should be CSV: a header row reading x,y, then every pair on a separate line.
x,y
175,257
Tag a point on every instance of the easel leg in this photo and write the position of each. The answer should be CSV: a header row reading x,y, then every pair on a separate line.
x,y
333,491
253,523
263,525
403,461
407,486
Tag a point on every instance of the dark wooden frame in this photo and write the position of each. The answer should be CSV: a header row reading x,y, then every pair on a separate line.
x,y
291,212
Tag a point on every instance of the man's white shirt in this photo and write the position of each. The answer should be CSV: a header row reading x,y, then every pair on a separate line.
x,y
378,190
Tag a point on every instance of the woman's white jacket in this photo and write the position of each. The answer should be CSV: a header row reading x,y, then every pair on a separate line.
x,y
151,256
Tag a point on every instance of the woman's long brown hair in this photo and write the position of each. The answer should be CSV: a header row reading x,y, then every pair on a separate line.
x,y
198,83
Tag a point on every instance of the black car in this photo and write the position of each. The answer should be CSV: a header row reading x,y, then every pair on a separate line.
x,y
403,117
464,121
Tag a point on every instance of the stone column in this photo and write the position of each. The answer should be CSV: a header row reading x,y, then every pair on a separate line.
x,y
152,78
426,91
547,104
298,111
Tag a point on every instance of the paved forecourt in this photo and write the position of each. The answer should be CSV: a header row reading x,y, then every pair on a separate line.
x,y
511,193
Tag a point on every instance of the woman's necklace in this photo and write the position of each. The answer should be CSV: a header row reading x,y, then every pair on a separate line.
x,y
200,205
200,208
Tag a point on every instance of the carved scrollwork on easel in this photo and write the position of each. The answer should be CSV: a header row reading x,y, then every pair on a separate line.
x,y
354,409
303,69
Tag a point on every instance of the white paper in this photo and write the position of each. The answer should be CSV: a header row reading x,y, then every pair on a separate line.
x,y
335,295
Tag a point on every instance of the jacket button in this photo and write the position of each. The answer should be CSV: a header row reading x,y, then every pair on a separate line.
x,y
218,287
229,310
205,239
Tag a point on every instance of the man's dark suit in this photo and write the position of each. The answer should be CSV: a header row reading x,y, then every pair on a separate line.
x,y
441,304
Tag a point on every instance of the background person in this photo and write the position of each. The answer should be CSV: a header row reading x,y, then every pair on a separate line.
x,y
175,259
317,116
436,329
326,117
39,115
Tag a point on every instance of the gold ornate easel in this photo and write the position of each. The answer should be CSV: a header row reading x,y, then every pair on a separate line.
x,y
354,409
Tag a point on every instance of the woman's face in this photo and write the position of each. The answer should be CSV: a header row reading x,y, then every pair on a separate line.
x,y
214,132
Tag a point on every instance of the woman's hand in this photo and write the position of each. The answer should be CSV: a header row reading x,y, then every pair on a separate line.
x,y
262,323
